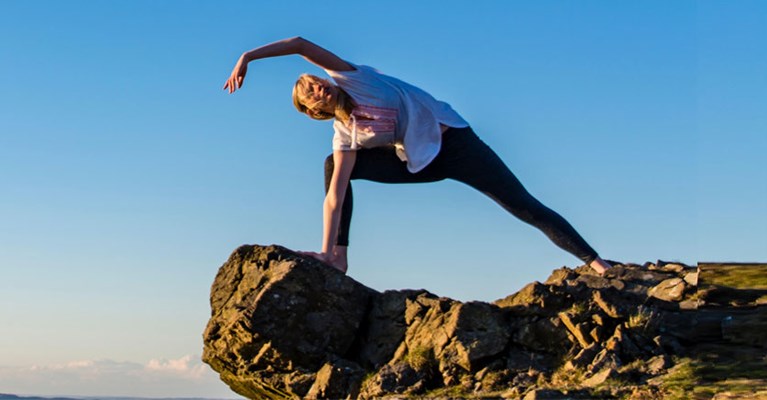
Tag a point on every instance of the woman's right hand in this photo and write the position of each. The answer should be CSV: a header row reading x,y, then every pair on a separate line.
x,y
296,45
333,260
238,75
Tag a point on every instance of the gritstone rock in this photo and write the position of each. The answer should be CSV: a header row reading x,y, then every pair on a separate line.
x,y
285,326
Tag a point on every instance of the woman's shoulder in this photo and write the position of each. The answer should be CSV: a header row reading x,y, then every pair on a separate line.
x,y
363,78
356,70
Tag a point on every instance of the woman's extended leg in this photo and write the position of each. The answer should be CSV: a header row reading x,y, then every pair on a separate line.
x,y
469,160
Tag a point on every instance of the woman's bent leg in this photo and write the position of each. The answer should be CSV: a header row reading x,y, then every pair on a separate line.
x,y
472,162
379,164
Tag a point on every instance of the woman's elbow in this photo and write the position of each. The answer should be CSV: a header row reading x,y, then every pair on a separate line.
x,y
331,202
298,42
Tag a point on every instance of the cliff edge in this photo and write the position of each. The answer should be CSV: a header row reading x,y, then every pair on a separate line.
x,y
284,326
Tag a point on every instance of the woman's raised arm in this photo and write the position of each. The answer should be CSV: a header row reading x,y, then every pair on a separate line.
x,y
296,45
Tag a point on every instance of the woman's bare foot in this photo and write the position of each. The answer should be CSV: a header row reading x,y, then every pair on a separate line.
x,y
599,265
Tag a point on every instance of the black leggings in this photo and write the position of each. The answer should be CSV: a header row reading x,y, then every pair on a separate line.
x,y
464,158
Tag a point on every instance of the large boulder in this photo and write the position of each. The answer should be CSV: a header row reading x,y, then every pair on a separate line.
x,y
278,319
287,326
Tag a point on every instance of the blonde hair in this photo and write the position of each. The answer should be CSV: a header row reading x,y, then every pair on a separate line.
x,y
303,87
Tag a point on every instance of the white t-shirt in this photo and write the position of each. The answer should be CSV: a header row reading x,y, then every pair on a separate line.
x,y
392,112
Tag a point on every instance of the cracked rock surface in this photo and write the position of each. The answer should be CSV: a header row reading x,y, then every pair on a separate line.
x,y
284,326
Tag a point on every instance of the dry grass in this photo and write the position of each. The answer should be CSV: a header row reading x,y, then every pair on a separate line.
x,y
421,358
752,276
641,319
567,378
695,378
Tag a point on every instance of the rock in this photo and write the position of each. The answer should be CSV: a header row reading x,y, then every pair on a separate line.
x,y
605,359
336,380
691,278
576,330
540,334
598,282
560,277
480,333
671,266
553,394
547,394
596,334
669,344
251,340
690,304
526,379
397,378
457,334
645,392
638,275
658,364
490,380
626,346
535,298
522,361
668,290
612,309
666,266
598,319
386,325
585,356
600,377
284,326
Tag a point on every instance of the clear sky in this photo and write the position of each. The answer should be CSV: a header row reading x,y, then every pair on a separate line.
x,y
127,176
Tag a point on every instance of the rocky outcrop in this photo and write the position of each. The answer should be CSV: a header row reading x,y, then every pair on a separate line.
x,y
287,326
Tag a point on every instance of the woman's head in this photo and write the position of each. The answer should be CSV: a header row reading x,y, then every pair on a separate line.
x,y
319,99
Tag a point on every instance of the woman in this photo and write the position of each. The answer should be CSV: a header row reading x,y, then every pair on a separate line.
x,y
389,131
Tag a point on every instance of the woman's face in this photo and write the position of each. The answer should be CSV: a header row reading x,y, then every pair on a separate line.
x,y
320,95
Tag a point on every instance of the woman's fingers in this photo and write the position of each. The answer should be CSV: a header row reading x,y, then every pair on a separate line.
x,y
236,78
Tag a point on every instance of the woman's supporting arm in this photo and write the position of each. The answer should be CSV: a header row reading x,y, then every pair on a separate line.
x,y
334,199
296,45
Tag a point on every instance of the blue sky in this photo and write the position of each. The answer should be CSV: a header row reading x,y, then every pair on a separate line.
x,y
127,175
